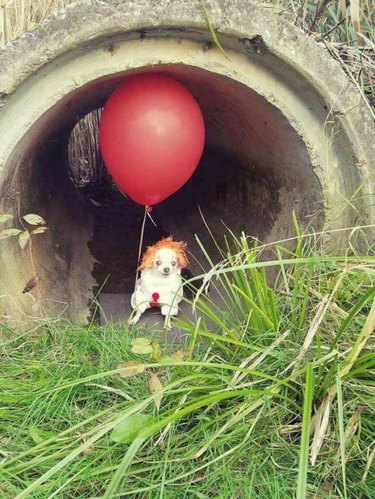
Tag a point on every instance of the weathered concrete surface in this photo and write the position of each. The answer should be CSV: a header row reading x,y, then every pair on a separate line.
x,y
281,109
115,308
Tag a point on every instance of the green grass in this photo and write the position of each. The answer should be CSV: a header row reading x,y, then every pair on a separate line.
x,y
274,396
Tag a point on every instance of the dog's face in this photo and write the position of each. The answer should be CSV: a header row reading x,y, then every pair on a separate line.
x,y
166,257
165,262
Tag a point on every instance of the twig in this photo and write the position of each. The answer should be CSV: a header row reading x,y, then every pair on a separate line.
x,y
324,35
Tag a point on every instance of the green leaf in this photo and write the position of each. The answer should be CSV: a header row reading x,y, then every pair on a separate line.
x,y
33,219
142,350
127,429
4,217
24,239
39,230
9,233
141,342
142,346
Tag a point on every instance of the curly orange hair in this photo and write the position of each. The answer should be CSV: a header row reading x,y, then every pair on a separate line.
x,y
179,247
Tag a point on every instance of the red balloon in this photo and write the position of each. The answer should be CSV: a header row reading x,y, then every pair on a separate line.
x,y
151,136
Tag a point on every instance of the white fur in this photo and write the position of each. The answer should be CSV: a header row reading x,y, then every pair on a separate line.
x,y
165,279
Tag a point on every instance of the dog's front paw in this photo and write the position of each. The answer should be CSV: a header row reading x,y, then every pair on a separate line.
x,y
167,324
133,320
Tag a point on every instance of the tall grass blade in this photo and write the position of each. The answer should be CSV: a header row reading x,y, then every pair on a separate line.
x,y
340,416
212,31
306,424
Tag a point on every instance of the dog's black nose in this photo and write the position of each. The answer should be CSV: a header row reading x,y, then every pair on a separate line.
x,y
166,270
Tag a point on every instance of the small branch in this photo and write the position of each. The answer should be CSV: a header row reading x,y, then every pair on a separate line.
x,y
324,35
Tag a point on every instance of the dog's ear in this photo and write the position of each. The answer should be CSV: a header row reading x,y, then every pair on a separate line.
x,y
182,258
148,258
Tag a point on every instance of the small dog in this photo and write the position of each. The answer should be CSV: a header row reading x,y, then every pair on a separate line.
x,y
160,284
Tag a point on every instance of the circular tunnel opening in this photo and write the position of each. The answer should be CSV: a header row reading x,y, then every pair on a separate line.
x,y
254,172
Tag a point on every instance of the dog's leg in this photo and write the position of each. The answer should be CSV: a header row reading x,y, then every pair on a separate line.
x,y
167,323
140,305
133,320
168,311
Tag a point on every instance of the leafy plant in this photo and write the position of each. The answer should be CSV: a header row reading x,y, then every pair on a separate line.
x,y
24,236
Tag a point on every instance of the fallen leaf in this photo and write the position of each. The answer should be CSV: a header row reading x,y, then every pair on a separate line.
x,y
88,450
326,487
9,233
33,219
142,350
24,239
31,284
156,388
127,429
142,346
182,355
130,368
157,351
167,358
141,341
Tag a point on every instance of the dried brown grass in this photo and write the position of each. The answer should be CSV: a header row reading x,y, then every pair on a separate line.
x,y
17,16
346,28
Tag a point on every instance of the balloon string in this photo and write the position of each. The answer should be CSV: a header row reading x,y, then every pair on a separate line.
x,y
141,243
150,217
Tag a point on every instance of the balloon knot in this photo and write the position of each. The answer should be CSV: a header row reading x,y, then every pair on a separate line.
x,y
148,209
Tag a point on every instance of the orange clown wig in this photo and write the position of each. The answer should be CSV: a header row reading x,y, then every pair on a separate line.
x,y
178,247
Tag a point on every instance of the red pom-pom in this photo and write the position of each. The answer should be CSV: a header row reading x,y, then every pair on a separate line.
x,y
155,296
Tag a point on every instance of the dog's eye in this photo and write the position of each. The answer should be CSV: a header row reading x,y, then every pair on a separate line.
x,y
158,262
174,264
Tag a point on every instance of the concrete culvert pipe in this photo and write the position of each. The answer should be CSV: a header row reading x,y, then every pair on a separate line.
x,y
286,130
